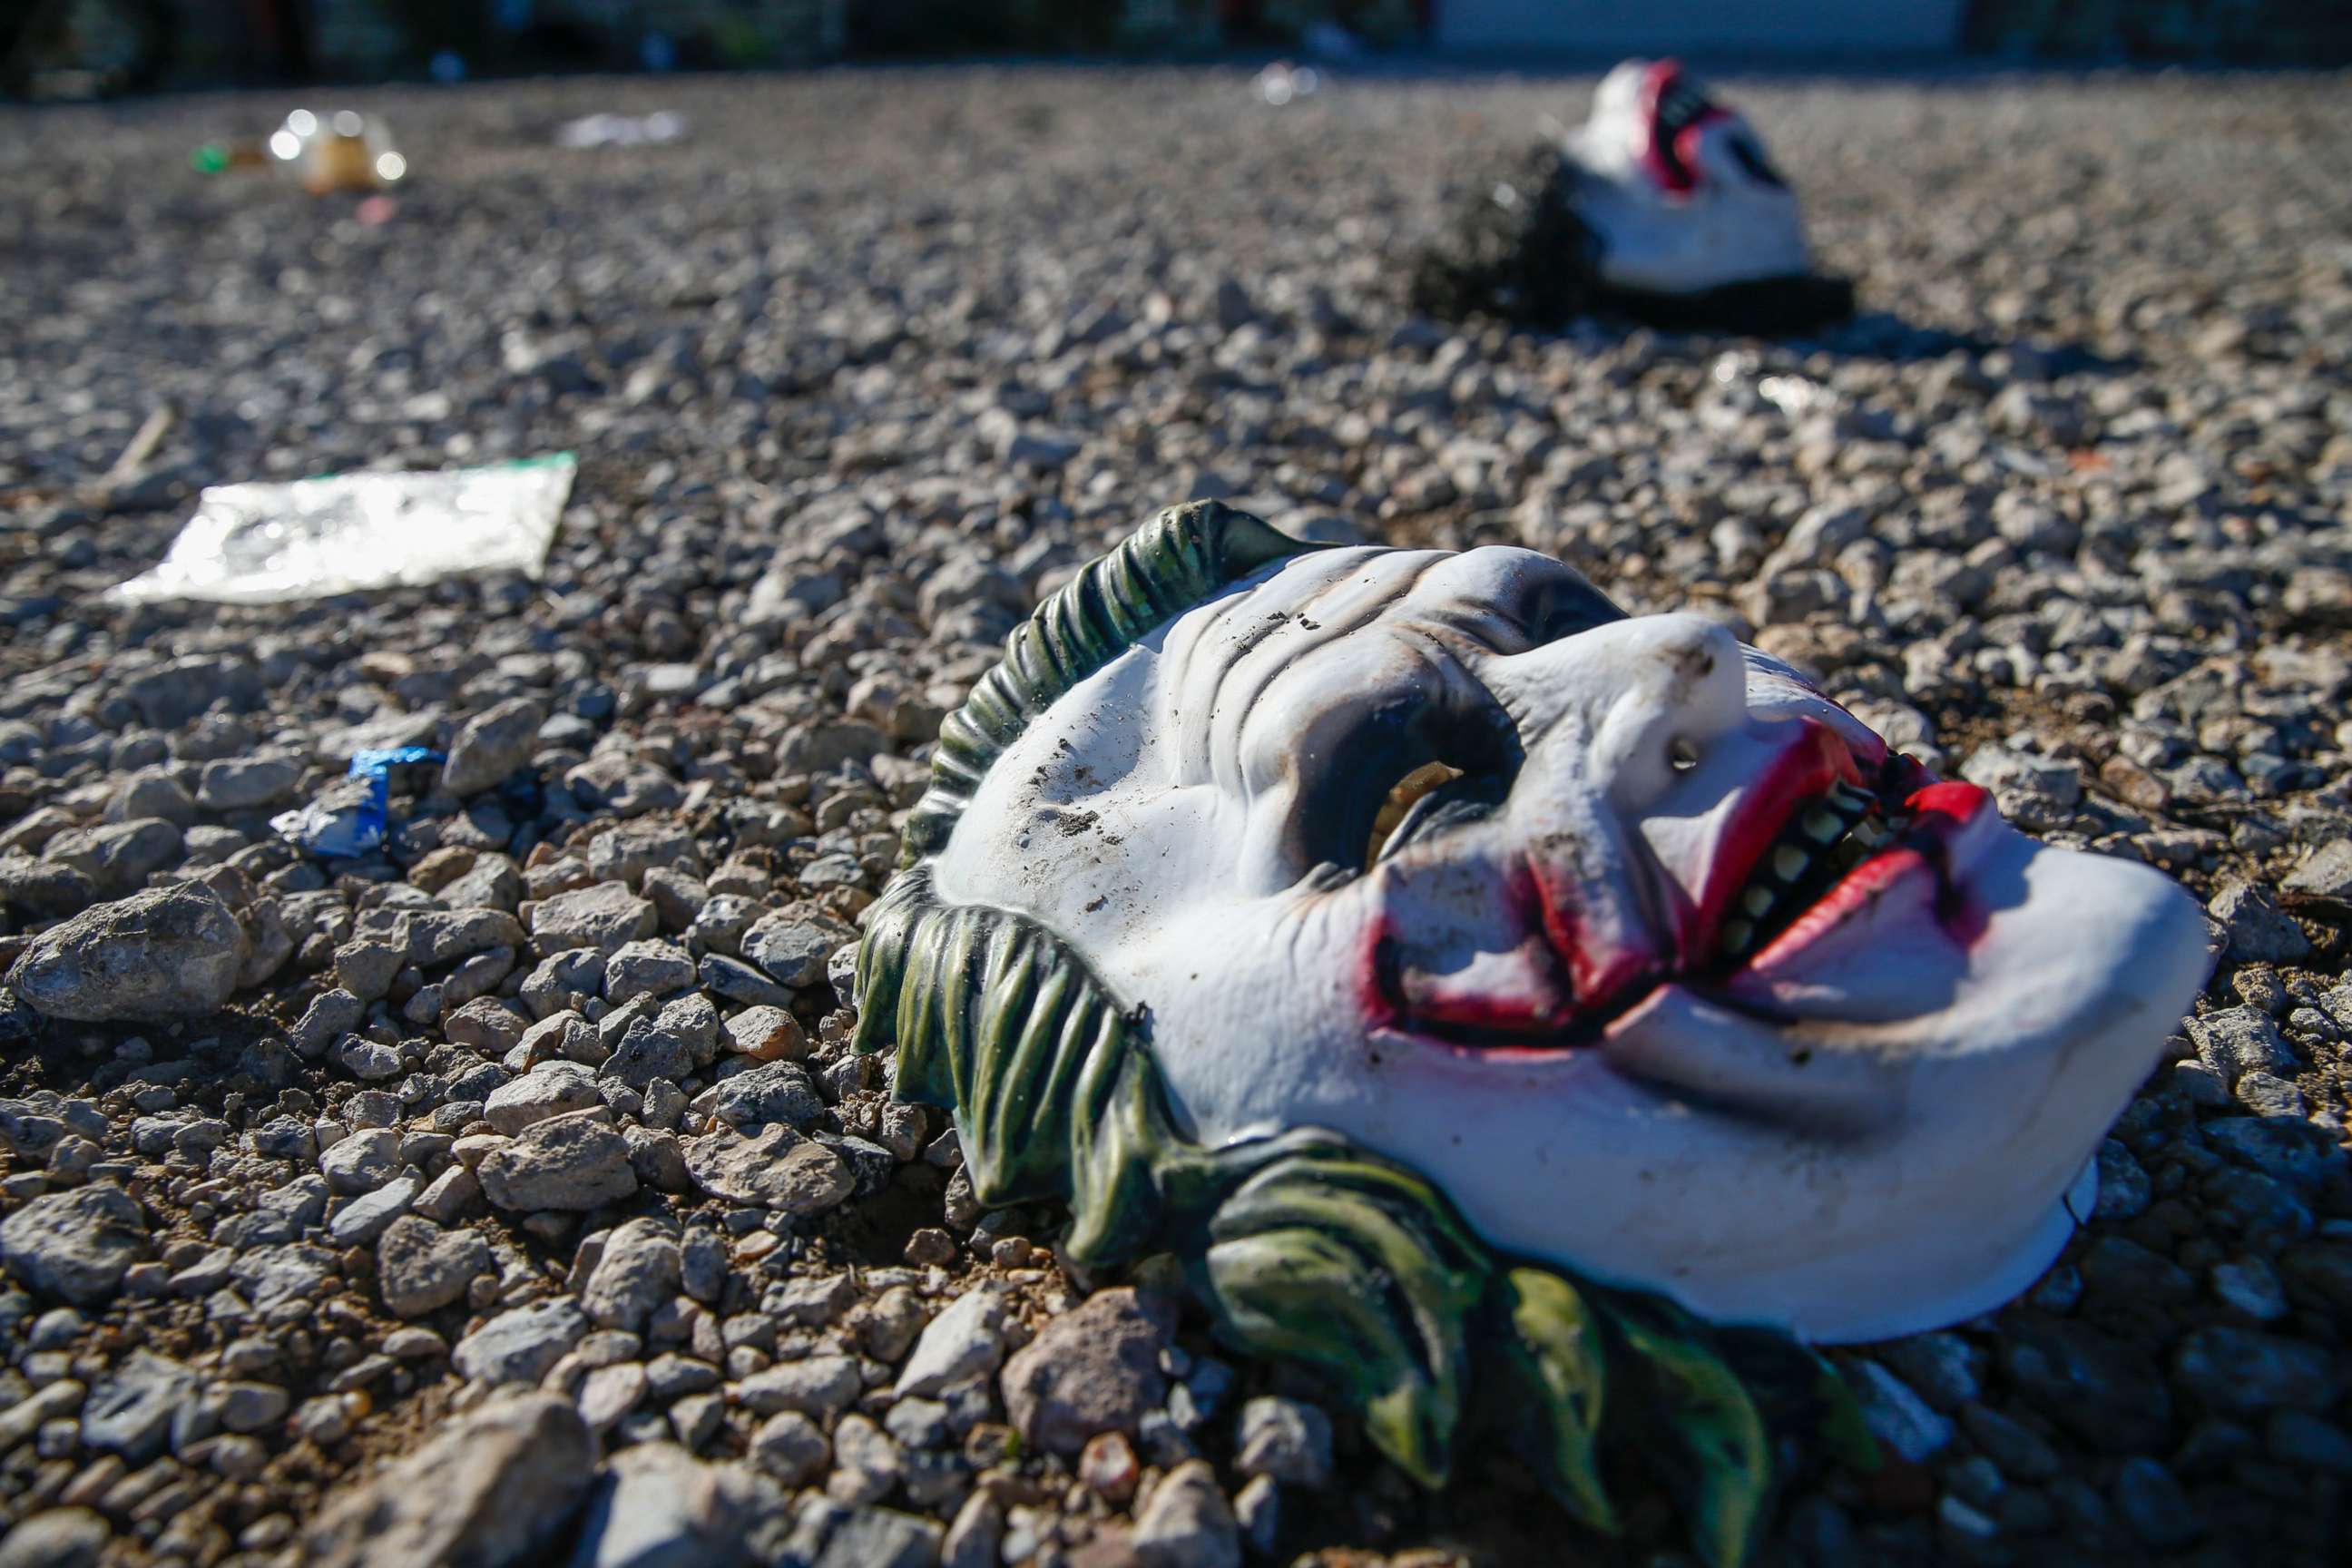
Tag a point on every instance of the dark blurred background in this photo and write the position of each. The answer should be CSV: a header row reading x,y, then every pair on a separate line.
x,y
79,48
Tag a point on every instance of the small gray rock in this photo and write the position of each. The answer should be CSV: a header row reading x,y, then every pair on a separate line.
x,y
771,1092
130,1411
58,1538
551,1089
881,1538
1188,1523
2235,1041
649,967
817,1386
2260,931
2154,1506
1897,1415
1287,1439
365,1219
791,947
360,1162
635,1277
2324,876
118,856
791,1448
247,783
768,1035
964,1342
421,1268
492,745
735,981
2242,1373
519,1344
656,1506
605,917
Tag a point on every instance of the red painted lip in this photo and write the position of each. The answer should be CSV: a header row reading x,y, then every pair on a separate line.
x,y
1670,155
1802,774
1570,1002
1941,812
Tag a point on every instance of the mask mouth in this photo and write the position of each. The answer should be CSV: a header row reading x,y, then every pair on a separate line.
x,y
1677,116
1821,843
1675,111
1827,843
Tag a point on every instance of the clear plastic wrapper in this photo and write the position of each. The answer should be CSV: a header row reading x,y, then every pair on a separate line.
x,y
265,543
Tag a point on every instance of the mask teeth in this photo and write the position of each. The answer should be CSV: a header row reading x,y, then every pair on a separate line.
x,y
1818,848
1680,104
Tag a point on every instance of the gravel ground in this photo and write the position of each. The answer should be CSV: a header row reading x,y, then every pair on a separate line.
x,y
555,1093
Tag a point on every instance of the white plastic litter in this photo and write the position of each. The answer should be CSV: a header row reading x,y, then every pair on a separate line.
x,y
1283,82
261,543
621,130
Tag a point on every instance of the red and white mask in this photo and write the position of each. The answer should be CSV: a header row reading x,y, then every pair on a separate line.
x,y
1651,957
1679,188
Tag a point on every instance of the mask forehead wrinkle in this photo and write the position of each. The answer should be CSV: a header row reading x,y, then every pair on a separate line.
x,y
1191,654
1268,634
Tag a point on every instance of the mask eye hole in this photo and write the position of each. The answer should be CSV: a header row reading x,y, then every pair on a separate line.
x,y
1682,755
1750,157
1403,795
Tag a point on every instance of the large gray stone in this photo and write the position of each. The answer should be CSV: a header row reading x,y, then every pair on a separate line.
x,y
75,1244
778,1169
569,1162
130,1411
657,1506
161,956
605,917
1095,1369
498,1488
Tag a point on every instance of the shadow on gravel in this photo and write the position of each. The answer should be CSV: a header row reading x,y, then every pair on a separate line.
x,y
1881,335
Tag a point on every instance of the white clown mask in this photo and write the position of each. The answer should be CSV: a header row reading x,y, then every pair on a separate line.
x,y
1651,958
1678,188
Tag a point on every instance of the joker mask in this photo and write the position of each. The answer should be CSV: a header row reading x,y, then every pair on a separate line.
x,y
1678,187
1663,205
1257,867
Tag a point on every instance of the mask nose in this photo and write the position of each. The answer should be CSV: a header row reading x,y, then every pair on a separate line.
x,y
1611,719
1636,702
